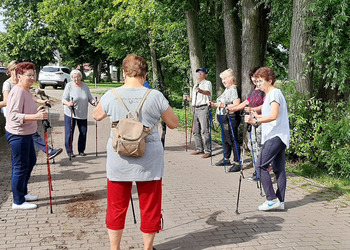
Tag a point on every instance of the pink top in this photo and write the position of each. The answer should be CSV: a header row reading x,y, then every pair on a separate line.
x,y
19,103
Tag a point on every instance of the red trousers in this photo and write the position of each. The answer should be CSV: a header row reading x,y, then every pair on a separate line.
x,y
150,199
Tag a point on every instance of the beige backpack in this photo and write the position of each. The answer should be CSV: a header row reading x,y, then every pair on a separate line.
x,y
129,133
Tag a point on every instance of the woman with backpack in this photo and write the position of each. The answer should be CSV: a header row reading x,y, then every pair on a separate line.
x,y
147,170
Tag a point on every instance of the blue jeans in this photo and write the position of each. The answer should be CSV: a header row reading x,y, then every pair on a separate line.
x,y
274,152
23,162
40,142
82,127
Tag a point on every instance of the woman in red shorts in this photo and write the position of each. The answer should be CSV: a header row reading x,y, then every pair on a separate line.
x,y
147,171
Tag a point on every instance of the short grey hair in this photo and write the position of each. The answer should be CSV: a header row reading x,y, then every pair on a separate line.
x,y
74,72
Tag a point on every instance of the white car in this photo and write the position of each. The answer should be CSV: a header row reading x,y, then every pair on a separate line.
x,y
55,76
3,70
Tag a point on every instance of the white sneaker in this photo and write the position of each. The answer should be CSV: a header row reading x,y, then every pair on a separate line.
x,y
24,205
281,207
29,197
269,205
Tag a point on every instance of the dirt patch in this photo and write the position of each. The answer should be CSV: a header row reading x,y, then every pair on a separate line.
x,y
83,206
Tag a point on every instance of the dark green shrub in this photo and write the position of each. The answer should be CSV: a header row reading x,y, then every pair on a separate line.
x,y
320,132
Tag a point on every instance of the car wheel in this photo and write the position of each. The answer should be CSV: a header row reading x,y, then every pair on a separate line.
x,y
54,86
42,86
64,84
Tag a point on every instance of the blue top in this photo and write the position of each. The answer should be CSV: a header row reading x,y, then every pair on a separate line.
x,y
146,84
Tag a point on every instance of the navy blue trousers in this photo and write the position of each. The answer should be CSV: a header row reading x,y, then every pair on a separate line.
x,y
229,143
40,142
23,162
274,152
82,127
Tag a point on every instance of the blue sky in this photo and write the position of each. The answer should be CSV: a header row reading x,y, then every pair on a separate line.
x,y
2,28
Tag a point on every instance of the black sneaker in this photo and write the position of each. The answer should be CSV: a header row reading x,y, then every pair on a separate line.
x,y
221,162
235,168
82,154
73,155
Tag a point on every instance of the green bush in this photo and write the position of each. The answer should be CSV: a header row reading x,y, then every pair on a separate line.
x,y
320,133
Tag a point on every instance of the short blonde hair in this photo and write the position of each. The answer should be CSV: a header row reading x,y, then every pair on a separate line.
x,y
12,65
229,74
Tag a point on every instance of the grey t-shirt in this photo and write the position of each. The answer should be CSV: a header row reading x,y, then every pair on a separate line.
x,y
81,97
150,166
279,127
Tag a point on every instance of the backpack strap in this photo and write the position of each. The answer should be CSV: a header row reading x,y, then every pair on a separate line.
x,y
140,105
143,100
121,101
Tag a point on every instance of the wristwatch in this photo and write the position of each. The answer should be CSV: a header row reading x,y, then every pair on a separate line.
x,y
256,120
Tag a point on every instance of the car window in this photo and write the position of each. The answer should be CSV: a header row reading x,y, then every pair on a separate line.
x,y
50,69
65,70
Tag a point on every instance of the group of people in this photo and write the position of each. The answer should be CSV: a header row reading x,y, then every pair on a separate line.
x,y
20,108
265,112
265,104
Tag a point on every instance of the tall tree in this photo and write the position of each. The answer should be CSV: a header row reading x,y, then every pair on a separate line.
x,y
299,48
254,39
27,37
221,63
194,40
233,33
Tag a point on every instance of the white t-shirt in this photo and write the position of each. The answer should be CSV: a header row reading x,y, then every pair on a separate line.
x,y
279,127
198,98
7,86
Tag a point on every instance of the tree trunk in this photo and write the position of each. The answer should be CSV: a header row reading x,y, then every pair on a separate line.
x,y
297,67
220,52
194,41
254,40
233,30
155,72
108,72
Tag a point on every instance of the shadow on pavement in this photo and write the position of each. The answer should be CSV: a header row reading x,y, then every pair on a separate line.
x,y
224,232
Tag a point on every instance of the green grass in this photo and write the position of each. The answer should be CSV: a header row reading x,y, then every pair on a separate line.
x,y
103,84
340,185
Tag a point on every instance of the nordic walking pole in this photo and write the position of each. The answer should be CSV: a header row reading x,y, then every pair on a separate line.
x,y
223,141
163,133
132,207
258,179
185,103
49,107
239,159
96,125
210,133
46,125
239,191
71,131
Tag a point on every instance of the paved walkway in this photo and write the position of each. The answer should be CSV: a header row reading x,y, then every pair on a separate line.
x,y
199,204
